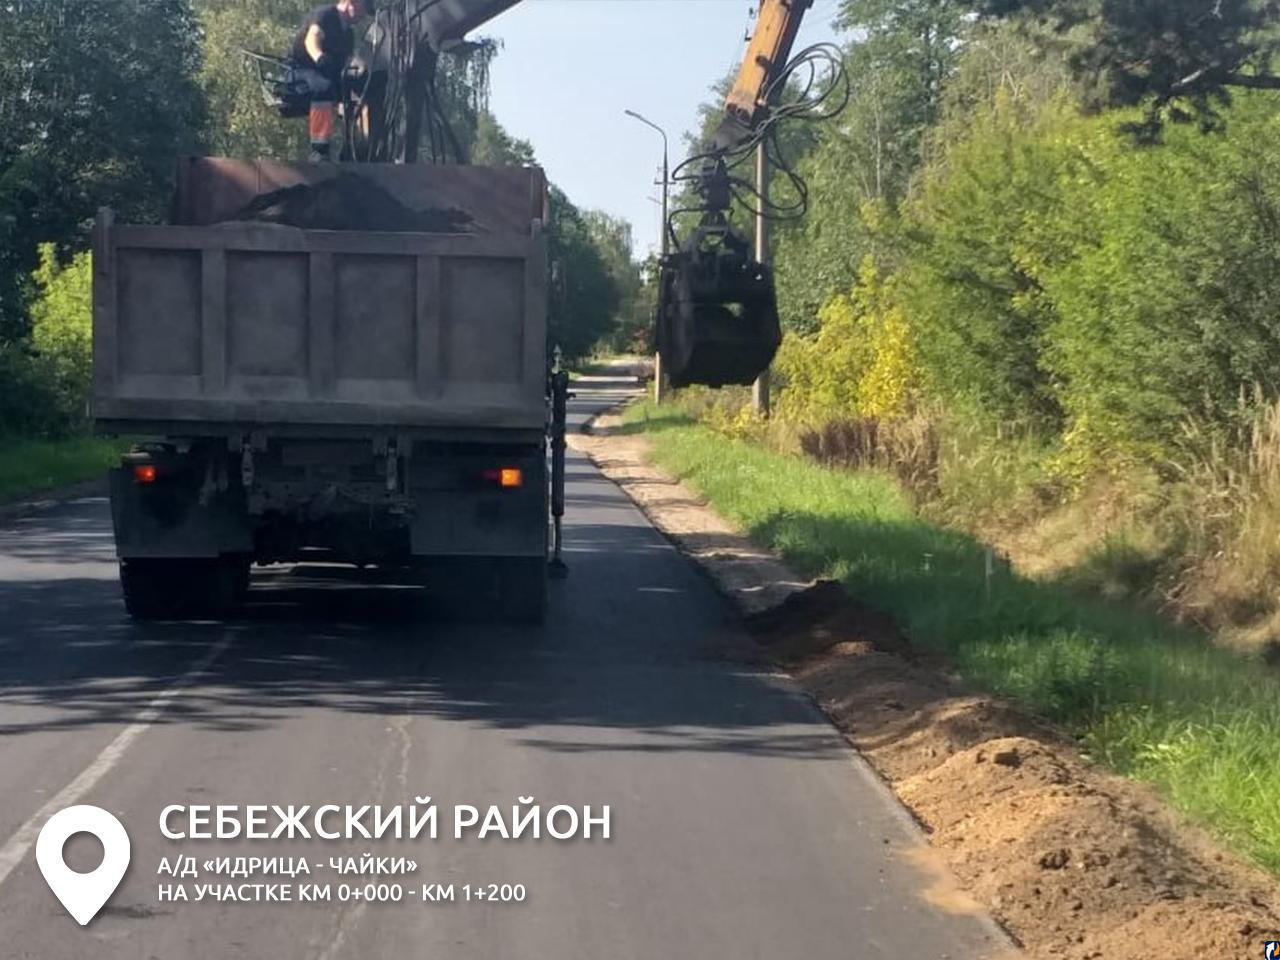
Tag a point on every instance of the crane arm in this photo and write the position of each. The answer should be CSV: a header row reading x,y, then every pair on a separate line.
x,y
768,52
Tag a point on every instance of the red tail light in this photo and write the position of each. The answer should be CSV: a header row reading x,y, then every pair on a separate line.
x,y
506,477
144,473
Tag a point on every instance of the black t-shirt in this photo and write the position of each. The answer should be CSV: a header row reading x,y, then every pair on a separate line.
x,y
338,42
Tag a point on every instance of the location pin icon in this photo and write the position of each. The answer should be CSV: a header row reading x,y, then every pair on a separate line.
x,y
83,894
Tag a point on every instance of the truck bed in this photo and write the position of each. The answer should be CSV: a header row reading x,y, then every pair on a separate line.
x,y
243,323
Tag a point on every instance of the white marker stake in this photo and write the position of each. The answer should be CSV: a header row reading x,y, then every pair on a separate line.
x,y
83,894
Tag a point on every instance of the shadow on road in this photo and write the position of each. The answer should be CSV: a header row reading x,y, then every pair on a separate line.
x,y
636,641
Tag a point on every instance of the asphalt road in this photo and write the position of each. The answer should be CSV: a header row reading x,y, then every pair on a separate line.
x,y
742,825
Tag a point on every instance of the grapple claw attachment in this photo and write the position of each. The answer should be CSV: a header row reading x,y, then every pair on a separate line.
x,y
717,315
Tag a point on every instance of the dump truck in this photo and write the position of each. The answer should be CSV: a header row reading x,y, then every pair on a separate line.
x,y
331,364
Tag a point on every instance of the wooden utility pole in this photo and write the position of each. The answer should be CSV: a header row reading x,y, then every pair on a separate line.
x,y
760,390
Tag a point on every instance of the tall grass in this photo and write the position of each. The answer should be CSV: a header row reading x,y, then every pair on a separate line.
x,y
31,466
1229,518
1149,698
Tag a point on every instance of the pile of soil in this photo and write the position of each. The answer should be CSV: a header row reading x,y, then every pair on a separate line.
x,y
1075,862
349,202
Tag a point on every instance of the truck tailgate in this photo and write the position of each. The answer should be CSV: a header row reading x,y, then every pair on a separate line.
x,y
265,324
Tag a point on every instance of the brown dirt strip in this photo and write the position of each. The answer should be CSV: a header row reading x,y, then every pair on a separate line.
x,y
1074,862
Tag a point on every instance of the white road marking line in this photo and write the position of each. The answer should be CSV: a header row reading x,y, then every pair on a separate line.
x,y
15,848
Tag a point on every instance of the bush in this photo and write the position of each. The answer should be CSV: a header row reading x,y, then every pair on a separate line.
x,y
45,383
62,331
1166,308
28,400
1055,274
968,282
861,362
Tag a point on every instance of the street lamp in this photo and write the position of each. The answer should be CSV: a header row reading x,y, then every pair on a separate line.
x,y
666,182
666,171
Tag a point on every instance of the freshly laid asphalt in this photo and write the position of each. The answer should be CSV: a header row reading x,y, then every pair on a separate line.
x,y
743,826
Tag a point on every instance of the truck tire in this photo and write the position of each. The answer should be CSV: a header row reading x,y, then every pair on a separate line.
x,y
212,588
240,567
489,589
183,589
522,586
148,589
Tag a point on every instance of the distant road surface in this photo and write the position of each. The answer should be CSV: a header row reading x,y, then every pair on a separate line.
x,y
743,826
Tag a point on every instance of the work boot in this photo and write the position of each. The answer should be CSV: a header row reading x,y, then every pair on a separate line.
x,y
321,130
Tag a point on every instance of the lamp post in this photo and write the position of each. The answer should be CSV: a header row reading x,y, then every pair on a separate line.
x,y
666,182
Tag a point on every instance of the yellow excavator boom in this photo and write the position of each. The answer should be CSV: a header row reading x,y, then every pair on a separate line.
x,y
767,54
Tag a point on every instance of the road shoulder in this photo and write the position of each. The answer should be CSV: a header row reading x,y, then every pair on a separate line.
x,y
49,499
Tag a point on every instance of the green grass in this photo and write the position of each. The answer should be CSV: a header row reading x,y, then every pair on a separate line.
x,y
29,467
1147,698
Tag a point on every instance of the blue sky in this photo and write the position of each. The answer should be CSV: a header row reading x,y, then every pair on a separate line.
x,y
568,68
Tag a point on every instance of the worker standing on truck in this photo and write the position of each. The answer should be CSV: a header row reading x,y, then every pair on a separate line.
x,y
320,54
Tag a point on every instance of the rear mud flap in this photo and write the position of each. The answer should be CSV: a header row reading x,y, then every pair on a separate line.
x,y
161,520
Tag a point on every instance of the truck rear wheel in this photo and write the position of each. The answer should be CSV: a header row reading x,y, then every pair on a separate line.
x,y
148,589
522,585
501,589
178,589
240,568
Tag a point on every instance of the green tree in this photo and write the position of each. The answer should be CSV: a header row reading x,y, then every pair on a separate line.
x,y
62,333
634,331
916,43
45,379
1000,59
970,275
240,123
461,91
1182,58
629,329
97,99
860,169
1166,310
1053,273
863,160
494,147
585,295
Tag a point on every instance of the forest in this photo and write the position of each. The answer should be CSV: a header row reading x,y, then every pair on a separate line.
x,y
1026,404
1036,283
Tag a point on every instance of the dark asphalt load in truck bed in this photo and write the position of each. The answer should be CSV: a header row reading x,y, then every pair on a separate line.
x,y
349,202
